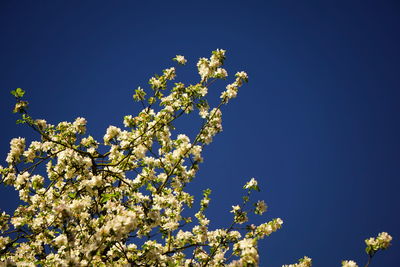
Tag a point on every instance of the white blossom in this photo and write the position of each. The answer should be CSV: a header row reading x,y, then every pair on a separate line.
x,y
180,59
17,148
349,264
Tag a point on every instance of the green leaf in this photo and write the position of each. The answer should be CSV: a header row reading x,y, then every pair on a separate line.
x,y
151,100
139,95
206,192
158,94
18,93
107,196
369,250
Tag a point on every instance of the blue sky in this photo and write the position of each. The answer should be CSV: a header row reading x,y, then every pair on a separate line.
x,y
317,125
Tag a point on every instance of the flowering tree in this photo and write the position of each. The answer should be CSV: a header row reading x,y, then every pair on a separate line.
x,y
119,201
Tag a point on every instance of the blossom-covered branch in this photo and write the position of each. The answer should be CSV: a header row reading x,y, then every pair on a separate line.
x,y
120,200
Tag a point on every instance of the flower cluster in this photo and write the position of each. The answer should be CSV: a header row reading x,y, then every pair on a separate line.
x,y
211,68
382,241
180,59
303,262
349,264
232,89
16,150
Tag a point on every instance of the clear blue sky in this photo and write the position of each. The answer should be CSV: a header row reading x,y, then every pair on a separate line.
x,y
318,124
